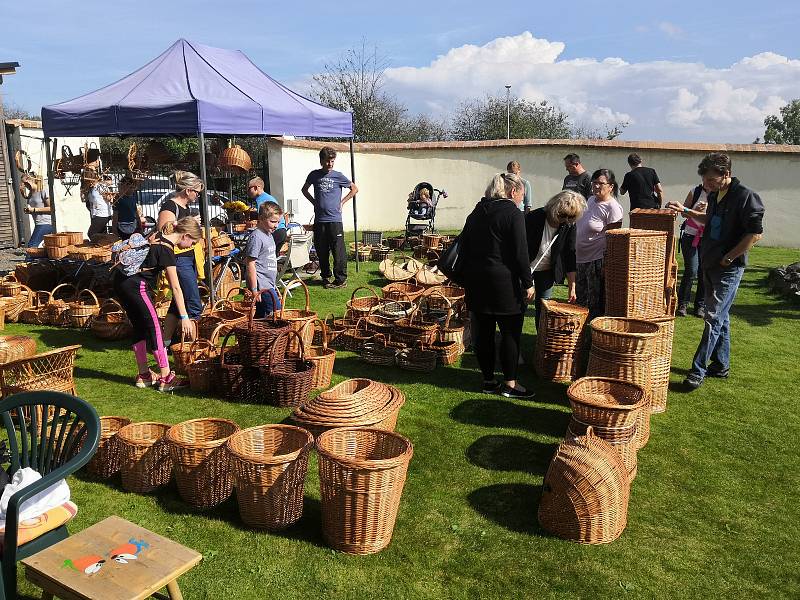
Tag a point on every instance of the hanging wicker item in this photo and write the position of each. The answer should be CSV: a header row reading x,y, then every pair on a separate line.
x,y
585,492
235,159
362,473
269,465
202,463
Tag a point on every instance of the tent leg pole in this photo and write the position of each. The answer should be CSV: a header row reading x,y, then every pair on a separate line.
x,y
50,179
204,203
355,212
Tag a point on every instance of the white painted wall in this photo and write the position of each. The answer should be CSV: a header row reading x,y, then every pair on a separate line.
x,y
71,213
386,173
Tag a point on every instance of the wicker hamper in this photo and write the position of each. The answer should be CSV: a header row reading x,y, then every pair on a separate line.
x,y
108,456
560,340
634,272
585,492
661,364
202,463
145,462
362,473
269,465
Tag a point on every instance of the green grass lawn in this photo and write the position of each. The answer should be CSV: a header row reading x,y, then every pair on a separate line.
x,y
713,511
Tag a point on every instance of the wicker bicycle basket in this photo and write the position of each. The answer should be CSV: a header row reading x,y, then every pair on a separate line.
x,y
145,462
585,492
108,456
269,465
202,463
362,473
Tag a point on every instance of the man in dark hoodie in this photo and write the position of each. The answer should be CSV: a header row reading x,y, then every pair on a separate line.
x,y
733,224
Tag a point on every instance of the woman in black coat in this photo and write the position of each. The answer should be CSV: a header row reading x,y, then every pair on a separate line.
x,y
497,278
551,244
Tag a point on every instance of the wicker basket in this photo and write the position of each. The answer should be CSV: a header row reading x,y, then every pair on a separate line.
x,y
13,306
186,352
322,357
222,244
287,382
236,381
36,312
417,358
81,311
202,463
444,297
447,351
300,321
10,287
394,269
431,241
380,253
111,323
415,329
58,252
634,272
363,305
256,337
661,364
402,290
145,462
352,338
108,456
623,336
379,351
585,492
559,341
655,219
235,159
269,465
57,240
362,473
223,314
202,374
57,310
75,237
14,347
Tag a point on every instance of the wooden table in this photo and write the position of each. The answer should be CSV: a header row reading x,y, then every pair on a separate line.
x,y
112,560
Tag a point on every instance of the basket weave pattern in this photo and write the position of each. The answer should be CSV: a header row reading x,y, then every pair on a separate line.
x,y
145,462
108,457
634,265
560,340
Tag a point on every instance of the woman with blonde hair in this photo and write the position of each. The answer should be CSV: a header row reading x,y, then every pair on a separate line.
x,y
38,207
135,293
551,244
497,279
175,208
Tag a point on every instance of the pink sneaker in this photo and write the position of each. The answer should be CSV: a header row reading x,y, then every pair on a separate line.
x,y
171,382
146,380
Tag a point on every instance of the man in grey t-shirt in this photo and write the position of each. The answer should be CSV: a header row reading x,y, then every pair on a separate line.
x,y
262,259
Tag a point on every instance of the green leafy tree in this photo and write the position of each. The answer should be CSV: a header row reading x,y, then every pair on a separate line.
x,y
485,119
786,128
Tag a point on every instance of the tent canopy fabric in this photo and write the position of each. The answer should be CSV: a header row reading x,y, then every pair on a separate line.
x,y
192,88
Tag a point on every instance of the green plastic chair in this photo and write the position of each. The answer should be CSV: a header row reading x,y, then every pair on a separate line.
x,y
55,434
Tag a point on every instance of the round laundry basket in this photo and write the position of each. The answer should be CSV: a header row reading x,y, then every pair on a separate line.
x,y
108,456
269,465
145,463
362,473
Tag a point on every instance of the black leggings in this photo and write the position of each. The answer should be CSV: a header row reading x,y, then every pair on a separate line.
x,y
483,327
135,296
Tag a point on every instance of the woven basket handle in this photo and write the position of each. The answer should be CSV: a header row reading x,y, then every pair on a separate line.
x,y
64,285
302,355
324,331
11,278
110,305
91,294
286,294
363,287
256,297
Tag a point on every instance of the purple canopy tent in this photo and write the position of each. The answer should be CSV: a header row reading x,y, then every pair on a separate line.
x,y
192,89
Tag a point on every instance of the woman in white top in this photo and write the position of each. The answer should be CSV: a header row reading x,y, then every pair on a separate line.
x,y
603,212
551,244
39,207
99,208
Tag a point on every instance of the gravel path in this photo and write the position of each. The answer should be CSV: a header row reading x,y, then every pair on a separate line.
x,y
9,257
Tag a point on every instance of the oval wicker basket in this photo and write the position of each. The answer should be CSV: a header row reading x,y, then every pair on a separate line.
x,y
623,336
269,465
322,357
14,347
585,492
235,159
202,463
145,462
108,456
362,473
10,287
81,312
111,322
605,402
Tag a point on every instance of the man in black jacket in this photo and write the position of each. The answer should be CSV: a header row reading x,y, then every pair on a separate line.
x,y
733,224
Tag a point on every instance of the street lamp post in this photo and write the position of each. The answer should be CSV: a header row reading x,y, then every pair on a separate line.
x,y
508,112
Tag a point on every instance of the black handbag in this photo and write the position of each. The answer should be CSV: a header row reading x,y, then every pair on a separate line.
x,y
449,262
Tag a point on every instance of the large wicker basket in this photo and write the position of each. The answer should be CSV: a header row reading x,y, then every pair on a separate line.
x,y
111,323
301,320
362,473
623,336
634,271
108,456
256,337
661,364
323,358
287,382
585,492
662,219
235,159
202,463
269,465
560,340
10,286
145,462
81,311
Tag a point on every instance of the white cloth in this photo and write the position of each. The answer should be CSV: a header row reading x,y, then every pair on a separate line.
x,y
53,496
542,261
98,207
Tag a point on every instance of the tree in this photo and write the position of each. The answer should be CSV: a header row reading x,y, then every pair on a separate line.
x,y
485,119
786,128
354,82
585,132
13,110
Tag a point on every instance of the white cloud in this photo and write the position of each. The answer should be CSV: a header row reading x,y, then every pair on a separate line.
x,y
665,100
671,30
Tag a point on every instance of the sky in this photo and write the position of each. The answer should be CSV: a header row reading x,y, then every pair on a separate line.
x,y
674,71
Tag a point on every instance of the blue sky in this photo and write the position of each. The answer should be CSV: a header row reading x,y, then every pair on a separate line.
x,y
673,70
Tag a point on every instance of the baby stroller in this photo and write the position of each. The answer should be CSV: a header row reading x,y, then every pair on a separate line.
x,y
422,210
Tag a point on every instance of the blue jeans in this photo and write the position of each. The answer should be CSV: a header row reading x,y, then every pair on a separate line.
x,y
714,351
267,304
543,284
38,233
187,276
691,266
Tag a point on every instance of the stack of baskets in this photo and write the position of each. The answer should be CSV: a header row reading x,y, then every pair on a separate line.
x,y
612,408
560,341
585,492
634,272
355,402
661,363
623,349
